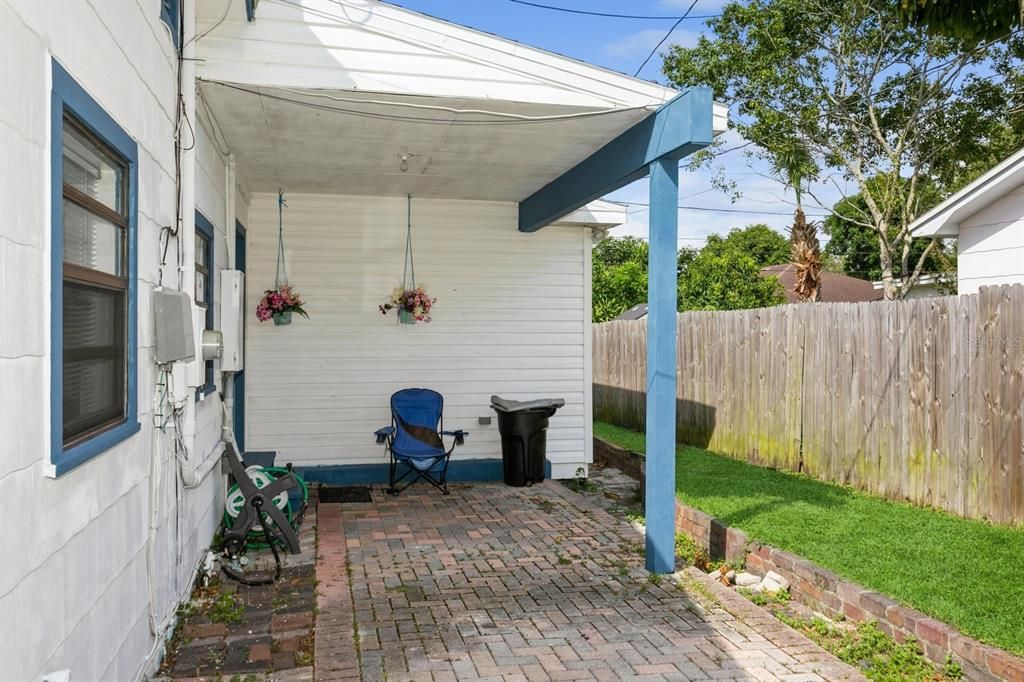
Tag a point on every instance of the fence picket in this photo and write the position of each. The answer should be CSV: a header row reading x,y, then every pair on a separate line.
x,y
919,400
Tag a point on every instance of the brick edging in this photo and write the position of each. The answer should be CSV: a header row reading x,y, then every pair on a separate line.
x,y
334,654
824,591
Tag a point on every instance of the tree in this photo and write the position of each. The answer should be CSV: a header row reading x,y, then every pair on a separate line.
x,y
847,92
727,279
726,273
619,279
971,20
855,247
806,253
760,242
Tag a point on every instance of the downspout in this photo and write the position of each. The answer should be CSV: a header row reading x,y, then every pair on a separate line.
x,y
186,238
232,264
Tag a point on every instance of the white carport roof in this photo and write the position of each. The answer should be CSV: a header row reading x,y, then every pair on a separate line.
x,y
944,220
328,95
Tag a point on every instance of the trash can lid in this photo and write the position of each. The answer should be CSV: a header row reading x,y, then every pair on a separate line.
x,y
503,405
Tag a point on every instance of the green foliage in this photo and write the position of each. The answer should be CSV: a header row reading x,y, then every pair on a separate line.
x,y
226,608
854,244
779,598
950,568
724,275
619,276
971,21
692,553
726,279
853,93
872,651
760,242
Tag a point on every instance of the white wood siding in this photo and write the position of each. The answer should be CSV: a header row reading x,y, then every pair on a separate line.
x,y
991,245
512,318
74,577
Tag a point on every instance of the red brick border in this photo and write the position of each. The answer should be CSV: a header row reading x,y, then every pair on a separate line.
x,y
335,656
823,590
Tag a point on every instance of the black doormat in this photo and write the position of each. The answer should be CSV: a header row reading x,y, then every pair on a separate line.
x,y
345,494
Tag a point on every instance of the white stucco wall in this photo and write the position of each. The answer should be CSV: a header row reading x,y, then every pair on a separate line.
x,y
512,318
991,244
75,577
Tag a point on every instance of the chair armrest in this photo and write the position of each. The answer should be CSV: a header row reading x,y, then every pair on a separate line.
x,y
384,433
460,435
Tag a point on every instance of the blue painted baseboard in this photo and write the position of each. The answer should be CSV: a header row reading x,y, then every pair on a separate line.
x,y
459,470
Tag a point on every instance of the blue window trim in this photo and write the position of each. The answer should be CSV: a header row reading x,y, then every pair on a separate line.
x,y
68,96
170,11
205,228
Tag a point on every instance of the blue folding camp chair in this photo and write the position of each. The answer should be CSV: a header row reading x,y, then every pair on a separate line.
x,y
414,439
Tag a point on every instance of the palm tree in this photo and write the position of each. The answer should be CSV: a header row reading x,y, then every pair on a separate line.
x,y
806,255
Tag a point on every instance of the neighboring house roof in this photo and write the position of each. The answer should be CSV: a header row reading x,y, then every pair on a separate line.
x,y
944,220
835,288
634,313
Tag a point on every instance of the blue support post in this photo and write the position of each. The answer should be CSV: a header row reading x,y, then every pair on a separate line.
x,y
661,366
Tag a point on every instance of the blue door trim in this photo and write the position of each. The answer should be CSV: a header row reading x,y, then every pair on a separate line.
x,y
238,393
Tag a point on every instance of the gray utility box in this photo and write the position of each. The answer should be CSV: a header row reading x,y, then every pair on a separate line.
x,y
175,340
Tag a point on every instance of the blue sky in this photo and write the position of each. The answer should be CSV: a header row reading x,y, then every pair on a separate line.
x,y
622,45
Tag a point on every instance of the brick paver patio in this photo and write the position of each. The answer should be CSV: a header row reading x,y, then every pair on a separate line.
x,y
498,583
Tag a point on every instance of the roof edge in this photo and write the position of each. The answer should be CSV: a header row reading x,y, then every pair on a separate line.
x,y
944,220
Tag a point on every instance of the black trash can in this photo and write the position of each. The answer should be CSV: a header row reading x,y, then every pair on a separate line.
x,y
523,429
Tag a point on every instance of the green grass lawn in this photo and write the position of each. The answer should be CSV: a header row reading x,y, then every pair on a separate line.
x,y
965,573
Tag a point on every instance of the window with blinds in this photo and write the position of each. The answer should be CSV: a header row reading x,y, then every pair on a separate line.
x,y
95,284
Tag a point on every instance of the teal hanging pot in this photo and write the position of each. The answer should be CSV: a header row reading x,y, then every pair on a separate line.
x,y
283,318
405,317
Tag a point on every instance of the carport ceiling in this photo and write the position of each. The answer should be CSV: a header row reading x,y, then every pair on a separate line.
x,y
338,142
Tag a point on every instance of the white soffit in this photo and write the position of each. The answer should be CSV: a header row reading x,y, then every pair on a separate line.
x,y
312,142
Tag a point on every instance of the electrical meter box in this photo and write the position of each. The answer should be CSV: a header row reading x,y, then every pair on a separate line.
x,y
232,320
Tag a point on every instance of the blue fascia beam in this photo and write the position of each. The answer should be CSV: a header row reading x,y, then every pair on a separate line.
x,y
677,129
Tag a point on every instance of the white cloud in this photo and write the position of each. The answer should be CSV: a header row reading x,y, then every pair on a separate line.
x,y
641,43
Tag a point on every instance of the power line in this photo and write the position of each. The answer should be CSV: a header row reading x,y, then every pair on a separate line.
x,y
709,209
607,14
660,42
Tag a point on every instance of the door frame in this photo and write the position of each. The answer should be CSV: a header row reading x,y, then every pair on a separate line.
x,y
238,391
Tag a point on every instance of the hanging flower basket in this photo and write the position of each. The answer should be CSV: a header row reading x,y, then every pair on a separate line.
x,y
413,305
410,300
279,304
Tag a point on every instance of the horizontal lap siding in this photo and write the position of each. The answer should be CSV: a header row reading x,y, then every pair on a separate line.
x,y
511,318
991,245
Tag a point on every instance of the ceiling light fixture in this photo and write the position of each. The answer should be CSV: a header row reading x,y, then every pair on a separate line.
x,y
404,165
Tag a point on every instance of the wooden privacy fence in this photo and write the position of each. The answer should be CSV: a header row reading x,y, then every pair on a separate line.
x,y
917,400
